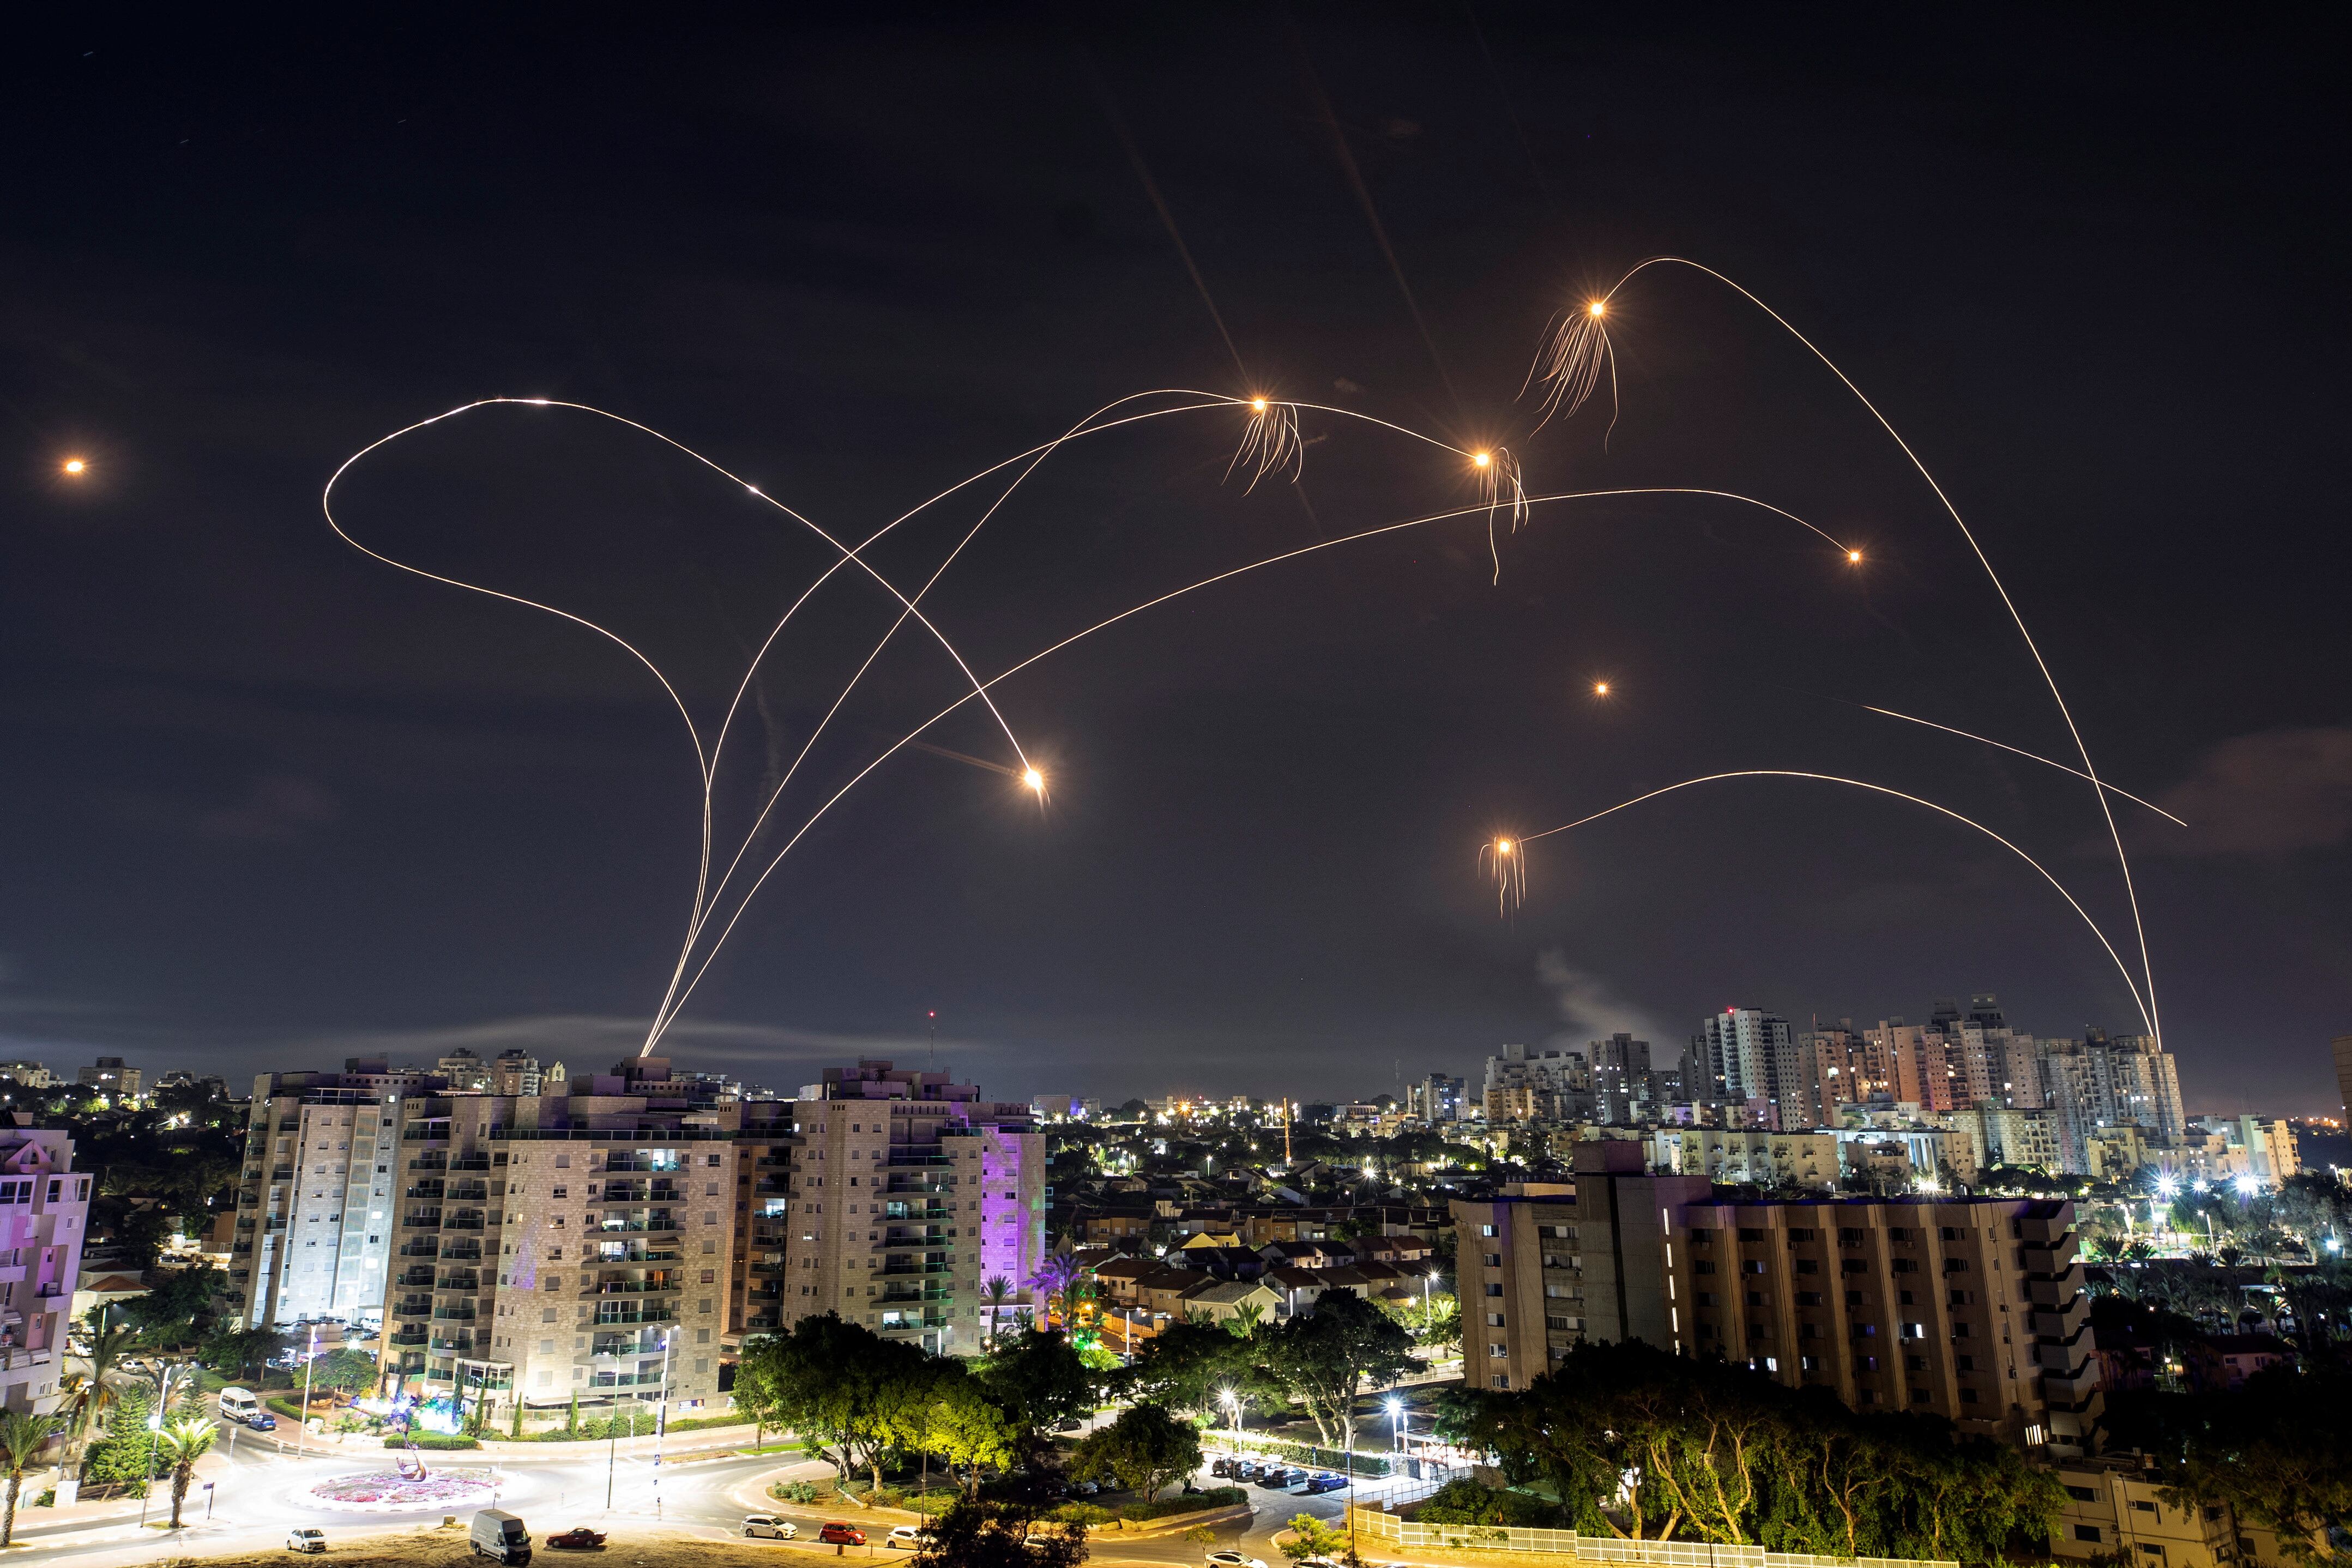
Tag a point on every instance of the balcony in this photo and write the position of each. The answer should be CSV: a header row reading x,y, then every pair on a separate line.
x,y
409,1334
420,1277
460,1250
636,1288
459,1279
651,1312
425,1247
469,1192
891,1269
460,1347
463,1222
453,1314
653,1224
428,1190
432,1160
422,1218
470,1163
282,1174
643,1193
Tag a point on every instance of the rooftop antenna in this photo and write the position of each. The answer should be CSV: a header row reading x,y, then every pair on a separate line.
x,y
931,1058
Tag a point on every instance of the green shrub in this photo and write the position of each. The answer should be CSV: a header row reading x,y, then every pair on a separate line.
x,y
1086,1513
432,1440
1216,1496
1467,1502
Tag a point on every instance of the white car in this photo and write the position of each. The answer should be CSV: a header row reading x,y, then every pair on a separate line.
x,y
907,1537
1235,1559
306,1540
769,1525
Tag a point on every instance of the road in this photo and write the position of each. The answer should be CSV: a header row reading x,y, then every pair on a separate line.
x,y
261,1491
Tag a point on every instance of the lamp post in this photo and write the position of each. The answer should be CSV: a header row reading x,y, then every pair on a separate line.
x,y
303,1441
155,1431
1396,1425
1225,1397
661,1421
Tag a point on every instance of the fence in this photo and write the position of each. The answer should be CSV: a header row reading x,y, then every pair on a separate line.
x,y
1404,1532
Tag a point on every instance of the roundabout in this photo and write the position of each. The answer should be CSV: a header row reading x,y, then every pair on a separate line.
x,y
390,1491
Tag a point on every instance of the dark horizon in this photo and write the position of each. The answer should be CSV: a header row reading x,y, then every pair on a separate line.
x,y
274,804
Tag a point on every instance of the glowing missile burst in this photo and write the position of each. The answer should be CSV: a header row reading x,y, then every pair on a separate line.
x,y
1507,859
1270,443
1034,783
1497,473
1570,362
75,468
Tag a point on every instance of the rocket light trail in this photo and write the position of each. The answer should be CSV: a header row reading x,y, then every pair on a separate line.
x,y
2029,756
1571,369
1302,551
1273,429
1572,346
2121,967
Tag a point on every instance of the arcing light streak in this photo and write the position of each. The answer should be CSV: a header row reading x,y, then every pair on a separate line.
x,y
706,760
1599,308
2029,756
2121,967
915,735
1273,429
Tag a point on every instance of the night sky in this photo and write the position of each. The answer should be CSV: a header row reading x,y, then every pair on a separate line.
x,y
268,803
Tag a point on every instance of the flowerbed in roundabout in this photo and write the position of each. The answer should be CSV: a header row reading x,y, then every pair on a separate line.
x,y
389,1490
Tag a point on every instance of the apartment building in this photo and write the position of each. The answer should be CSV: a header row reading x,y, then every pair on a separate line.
x,y
911,1194
1746,1158
108,1076
576,1244
314,1217
1972,1311
2117,1511
43,1212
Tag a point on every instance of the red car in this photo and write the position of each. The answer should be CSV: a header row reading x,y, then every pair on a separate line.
x,y
579,1538
839,1534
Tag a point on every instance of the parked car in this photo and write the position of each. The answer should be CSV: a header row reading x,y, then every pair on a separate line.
x,y
1222,1467
1086,1488
907,1537
578,1537
1247,1470
1277,1477
306,1540
1234,1560
769,1525
839,1534
1324,1484
262,1421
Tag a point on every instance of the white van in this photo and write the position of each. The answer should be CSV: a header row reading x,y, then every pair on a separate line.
x,y
238,1403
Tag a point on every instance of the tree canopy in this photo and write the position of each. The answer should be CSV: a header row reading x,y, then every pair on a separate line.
x,y
1144,1450
841,1386
1324,1359
1638,1443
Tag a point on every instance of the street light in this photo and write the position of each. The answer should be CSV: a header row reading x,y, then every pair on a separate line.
x,y
1233,1412
1396,1425
302,1440
155,1427
661,1422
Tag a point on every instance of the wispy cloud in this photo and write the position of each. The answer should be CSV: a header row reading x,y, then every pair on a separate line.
x,y
1589,1006
2270,793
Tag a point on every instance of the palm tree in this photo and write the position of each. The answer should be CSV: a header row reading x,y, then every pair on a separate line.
x,y
100,1385
22,1436
184,1443
997,1291
1056,1276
